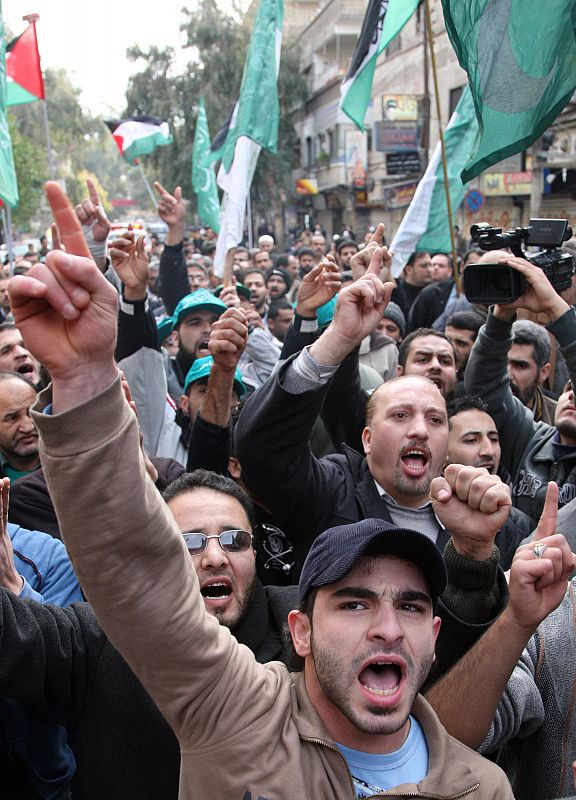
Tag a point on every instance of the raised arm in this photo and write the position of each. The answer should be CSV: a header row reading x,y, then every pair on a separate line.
x,y
487,369
128,553
538,582
274,428
210,440
472,505
173,281
136,323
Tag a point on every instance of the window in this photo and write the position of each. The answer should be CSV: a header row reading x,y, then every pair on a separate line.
x,y
455,95
420,17
332,143
394,47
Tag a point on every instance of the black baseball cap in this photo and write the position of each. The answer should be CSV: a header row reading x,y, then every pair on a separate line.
x,y
337,551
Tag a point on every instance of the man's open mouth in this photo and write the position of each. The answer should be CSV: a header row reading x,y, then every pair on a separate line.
x,y
381,677
489,465
25,369
437,381
203,349
415,459
217,589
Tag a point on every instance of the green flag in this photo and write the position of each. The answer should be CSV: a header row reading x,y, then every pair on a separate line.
x,y
257,111
425,225
383,21
520,56
203,176
8,183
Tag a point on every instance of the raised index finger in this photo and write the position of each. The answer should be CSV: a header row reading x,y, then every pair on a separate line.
x,y
68,223
92,192
376,263
549,515
161,190
378,234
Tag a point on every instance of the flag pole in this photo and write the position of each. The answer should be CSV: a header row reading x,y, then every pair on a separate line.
x,y
442,146
249,215
7,223
229,268
51,164
147,185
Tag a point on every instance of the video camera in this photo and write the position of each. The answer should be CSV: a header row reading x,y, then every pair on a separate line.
x,y
497,283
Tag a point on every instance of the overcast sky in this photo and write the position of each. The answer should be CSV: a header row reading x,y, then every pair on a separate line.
x,y
90,40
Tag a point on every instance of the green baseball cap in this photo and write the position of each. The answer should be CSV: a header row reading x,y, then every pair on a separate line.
x,y
200,300
202,367
164,328
243,291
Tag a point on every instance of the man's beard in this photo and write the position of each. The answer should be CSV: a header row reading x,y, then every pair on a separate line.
x,y
22,454
412,488
336,681
237,616
525,395
567,429
185,358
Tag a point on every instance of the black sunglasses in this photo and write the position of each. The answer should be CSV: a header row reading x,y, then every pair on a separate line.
x,y
230,541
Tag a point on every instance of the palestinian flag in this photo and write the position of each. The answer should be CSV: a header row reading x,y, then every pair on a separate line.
x,y
139,136
24,82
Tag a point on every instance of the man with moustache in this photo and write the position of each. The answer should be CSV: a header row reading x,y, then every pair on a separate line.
x,y
431,354
529,367
18,435
474,441
193,318
14,357
405,437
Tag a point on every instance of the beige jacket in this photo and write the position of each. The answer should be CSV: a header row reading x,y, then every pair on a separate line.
x,y
246,731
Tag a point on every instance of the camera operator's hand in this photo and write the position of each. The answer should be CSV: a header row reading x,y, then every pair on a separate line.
x,y
540,296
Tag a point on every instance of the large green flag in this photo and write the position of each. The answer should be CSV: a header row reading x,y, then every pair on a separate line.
x,y
425,225
8,183
253,125
257,112
203,175
383,21
520,56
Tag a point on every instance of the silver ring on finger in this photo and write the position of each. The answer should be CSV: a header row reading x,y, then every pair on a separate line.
x,y
539,550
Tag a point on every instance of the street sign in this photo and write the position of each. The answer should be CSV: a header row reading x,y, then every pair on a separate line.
x,y
396,137
474,200
403,163
506,183
399,195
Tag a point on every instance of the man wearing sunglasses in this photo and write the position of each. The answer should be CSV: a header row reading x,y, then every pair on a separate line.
x,y
219,540
125,748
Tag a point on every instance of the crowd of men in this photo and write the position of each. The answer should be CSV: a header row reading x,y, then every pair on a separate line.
x,y
293,533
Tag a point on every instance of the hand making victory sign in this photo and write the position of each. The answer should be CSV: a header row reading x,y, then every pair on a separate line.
x,y
358,311
67,312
